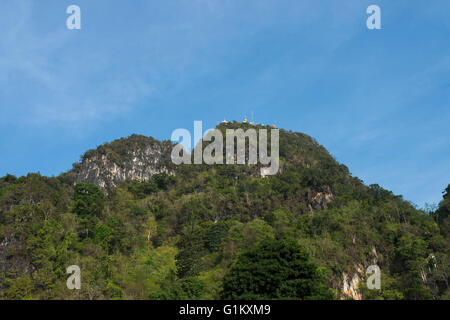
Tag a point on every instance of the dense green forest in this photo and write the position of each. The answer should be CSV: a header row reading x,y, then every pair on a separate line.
x,y
220,232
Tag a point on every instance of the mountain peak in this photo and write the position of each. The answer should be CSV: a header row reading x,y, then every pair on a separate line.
x,y
136,157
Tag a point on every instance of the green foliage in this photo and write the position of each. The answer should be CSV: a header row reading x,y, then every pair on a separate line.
x,y
189,262
388,290
88,200
443,213
88,205
275,269
185,289
208,228
21,289
215,235
158,182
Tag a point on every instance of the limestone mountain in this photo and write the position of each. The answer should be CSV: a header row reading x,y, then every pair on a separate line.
x,y
140,227
139,157
134,158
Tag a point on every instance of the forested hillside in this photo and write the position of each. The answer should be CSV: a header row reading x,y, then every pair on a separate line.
x,y
217,231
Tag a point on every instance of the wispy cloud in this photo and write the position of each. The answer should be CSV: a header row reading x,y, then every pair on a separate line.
x,y
46,80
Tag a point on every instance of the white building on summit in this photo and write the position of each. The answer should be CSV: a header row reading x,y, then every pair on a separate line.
x,y
224,121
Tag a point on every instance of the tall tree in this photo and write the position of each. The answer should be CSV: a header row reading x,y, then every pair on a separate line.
x,y
275,269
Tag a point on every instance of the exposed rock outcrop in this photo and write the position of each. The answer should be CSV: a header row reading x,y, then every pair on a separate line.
x,y
134,158
319,200
351,280
350,286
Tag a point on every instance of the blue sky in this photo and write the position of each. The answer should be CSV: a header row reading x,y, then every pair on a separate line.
x,y
378,100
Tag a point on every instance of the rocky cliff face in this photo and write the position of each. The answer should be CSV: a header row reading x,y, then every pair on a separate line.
x,y
351,280
350,286
133,158
320,200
